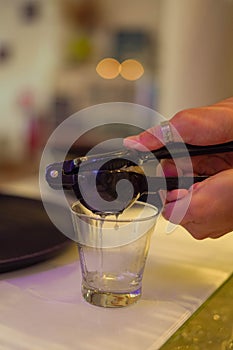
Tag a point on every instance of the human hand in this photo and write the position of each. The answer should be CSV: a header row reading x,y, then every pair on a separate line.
x,y
204,126
209,213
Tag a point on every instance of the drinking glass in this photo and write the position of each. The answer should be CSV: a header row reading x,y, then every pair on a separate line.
x,y
113,251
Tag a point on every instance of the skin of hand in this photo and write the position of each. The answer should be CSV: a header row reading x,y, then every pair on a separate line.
x,y
210,210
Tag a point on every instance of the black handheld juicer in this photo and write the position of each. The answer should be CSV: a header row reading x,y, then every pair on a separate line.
x,y
94,179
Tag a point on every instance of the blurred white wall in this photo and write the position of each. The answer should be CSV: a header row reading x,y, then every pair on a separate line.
x,y
196,53
32,64
131,13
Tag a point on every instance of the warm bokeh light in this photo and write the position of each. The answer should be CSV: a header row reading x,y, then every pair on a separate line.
x,y
108,68
131,69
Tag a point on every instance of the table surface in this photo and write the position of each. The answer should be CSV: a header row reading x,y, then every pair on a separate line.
x,y
42,304
211,309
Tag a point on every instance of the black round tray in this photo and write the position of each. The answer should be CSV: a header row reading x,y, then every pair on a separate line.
x,y
27,236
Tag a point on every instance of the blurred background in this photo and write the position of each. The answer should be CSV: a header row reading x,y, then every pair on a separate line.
x,y
60,56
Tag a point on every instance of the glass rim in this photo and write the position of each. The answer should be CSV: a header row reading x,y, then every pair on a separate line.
x,y
118,219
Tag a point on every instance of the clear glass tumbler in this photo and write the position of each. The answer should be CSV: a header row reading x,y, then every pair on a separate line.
x,y
113,252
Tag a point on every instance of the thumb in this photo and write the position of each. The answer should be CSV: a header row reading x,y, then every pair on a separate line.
x,y
152,139
206,125
196,126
